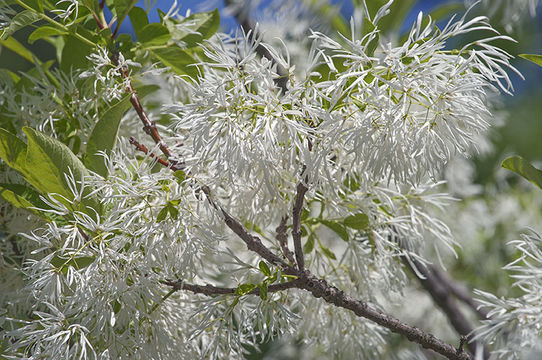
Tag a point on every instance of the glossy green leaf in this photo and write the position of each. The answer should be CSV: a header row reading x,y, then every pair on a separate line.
x,y
173,212
92,5
200,26
180,175
21,196
48,161
537,59
18,48
264,268
104,136
74,54
44,32
25,197
162,214
154,35
358,221
123,7
523,168
19,21
13,151
338,228
177,59
139,19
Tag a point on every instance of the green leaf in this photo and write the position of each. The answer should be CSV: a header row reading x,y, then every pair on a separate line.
x,y
180,175
123,7
327,252
19,21
244,289
200,26
338,228
21,196
62,264
74,54
309,245
359,221
139,19
154,35
47,162
92,5
264,268
13,151
522,167
104,136
177,59
162,214
27,198
44,32
263,291
537,59
18,48
173,211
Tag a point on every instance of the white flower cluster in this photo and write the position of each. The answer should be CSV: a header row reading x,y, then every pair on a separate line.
x,y
515,324
111,76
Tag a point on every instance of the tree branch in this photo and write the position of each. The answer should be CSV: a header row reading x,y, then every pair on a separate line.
x,y
441,296
211,290
296,231
282,237
320,288
458,291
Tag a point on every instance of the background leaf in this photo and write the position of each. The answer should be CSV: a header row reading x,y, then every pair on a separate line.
x,y
522,167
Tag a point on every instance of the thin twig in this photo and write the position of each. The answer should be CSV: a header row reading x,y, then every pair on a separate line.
x,y
146,151
296,218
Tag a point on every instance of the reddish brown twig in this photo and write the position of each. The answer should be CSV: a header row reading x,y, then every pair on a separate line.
x,y
146,151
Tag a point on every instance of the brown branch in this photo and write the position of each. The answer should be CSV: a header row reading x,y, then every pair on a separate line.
x,y
253,242
241,15
146,151
319,288
282,237
296,231
459,292
441,296
214,290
